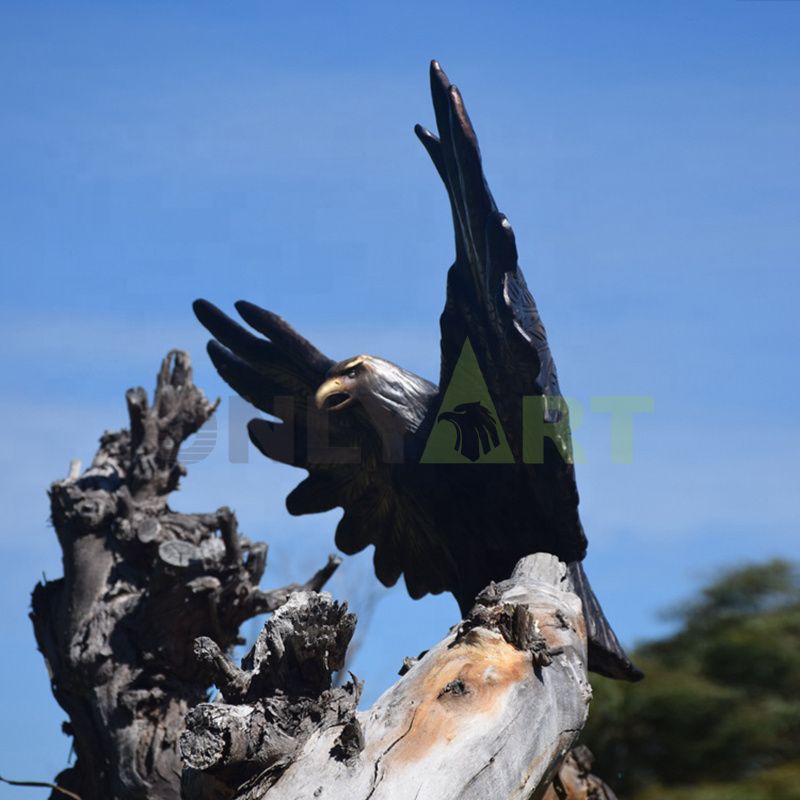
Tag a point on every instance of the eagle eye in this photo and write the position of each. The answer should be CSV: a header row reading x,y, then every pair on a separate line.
x,y
352,371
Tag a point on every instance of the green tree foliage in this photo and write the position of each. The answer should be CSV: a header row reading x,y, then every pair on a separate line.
x,y
718,715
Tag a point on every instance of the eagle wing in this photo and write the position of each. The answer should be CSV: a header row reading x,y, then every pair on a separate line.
x,y
279,374
489,304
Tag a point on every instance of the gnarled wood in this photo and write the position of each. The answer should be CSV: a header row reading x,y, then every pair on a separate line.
x,y
141,583
269,709
490,711
150,605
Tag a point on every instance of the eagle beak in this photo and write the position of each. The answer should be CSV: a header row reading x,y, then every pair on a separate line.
x,y
332,396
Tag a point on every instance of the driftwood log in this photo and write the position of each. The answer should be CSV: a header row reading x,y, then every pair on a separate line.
x,y
149,608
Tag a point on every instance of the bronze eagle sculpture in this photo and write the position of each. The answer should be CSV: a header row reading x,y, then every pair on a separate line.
x,y
363,427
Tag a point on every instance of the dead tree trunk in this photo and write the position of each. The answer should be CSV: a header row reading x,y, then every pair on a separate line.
x,y
490,711
150,604
140,584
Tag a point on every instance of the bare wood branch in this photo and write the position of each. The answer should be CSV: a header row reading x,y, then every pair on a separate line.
x,y
41,785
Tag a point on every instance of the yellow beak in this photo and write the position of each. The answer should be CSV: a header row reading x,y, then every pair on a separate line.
x,y
329,390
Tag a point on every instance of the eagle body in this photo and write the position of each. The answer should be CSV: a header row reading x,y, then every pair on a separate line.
x,y
364,428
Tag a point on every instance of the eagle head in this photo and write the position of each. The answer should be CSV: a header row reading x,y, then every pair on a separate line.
x,y
393,399
347,382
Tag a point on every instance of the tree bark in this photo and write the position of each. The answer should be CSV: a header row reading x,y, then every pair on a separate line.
x,y
140,584
490,711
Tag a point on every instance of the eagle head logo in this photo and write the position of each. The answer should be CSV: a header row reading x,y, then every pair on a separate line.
x,y
476,429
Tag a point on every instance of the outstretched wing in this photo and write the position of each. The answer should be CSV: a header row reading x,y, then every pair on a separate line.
x,y
489,303
343,454
278,374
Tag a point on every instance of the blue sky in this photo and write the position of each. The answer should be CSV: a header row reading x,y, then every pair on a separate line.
x,y
646,155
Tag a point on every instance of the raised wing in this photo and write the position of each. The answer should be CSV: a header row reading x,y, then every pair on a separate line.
x,y
445,526
488,302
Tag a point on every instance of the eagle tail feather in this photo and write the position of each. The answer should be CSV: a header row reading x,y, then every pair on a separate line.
x,y
606,655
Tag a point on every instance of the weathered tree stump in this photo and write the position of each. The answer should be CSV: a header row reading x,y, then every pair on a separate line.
x,y
140,584
268,710
490,711
150,605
